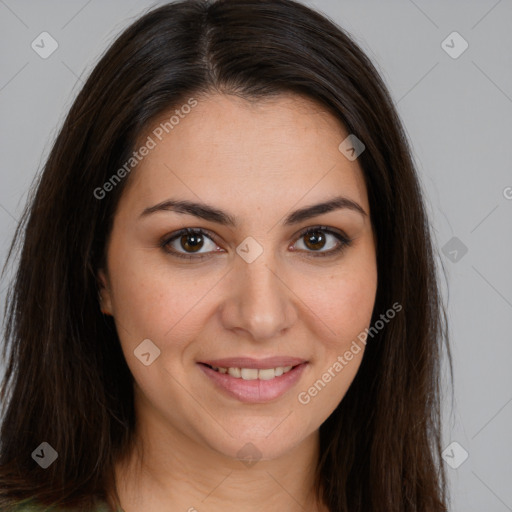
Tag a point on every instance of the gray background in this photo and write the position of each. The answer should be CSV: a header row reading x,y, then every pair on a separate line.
x,y
457,113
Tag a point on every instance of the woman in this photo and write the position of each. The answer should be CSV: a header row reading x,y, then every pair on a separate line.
x,y
226,296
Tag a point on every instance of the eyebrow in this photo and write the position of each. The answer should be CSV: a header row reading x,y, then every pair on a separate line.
x,y
209,213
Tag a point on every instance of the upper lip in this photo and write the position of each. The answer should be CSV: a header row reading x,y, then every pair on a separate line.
x,y
248,362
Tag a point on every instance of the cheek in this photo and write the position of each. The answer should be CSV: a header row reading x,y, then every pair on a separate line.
x,y
354,293
354,306
345,305
149,301
342,304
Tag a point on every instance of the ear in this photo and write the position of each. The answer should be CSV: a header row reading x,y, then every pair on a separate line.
x,y
105,297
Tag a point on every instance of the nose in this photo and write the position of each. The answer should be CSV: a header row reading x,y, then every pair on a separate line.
x,y
260,303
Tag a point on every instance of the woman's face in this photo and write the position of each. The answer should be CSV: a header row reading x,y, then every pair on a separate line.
x,y
257,295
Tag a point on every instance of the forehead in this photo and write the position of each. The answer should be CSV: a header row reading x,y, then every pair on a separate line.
x,y
237,154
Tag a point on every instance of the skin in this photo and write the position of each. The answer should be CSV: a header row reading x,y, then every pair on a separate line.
x,y
258,161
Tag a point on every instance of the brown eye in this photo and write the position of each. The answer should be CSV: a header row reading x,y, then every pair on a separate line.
x,y
188,242
191,241
315,240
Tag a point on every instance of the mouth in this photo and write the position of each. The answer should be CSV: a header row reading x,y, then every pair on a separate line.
x,y
253,381
252,373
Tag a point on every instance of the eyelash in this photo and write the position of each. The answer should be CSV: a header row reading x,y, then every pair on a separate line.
x,y
344,242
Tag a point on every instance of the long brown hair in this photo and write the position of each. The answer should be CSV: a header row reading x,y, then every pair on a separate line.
x,y
66,380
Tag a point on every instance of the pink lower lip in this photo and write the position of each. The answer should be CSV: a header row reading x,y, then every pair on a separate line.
x,y
255,391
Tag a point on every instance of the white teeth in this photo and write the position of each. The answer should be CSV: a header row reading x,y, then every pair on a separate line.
x,y
235,372
266,374
254,373
249,373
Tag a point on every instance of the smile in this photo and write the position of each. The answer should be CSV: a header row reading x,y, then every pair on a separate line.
x,y
253,385
254,373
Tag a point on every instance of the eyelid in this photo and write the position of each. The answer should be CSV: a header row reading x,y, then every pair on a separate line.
x,y
327,229
343,242
166,240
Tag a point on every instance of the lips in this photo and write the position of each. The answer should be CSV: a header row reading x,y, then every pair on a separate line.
x,y
254,380
248,362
